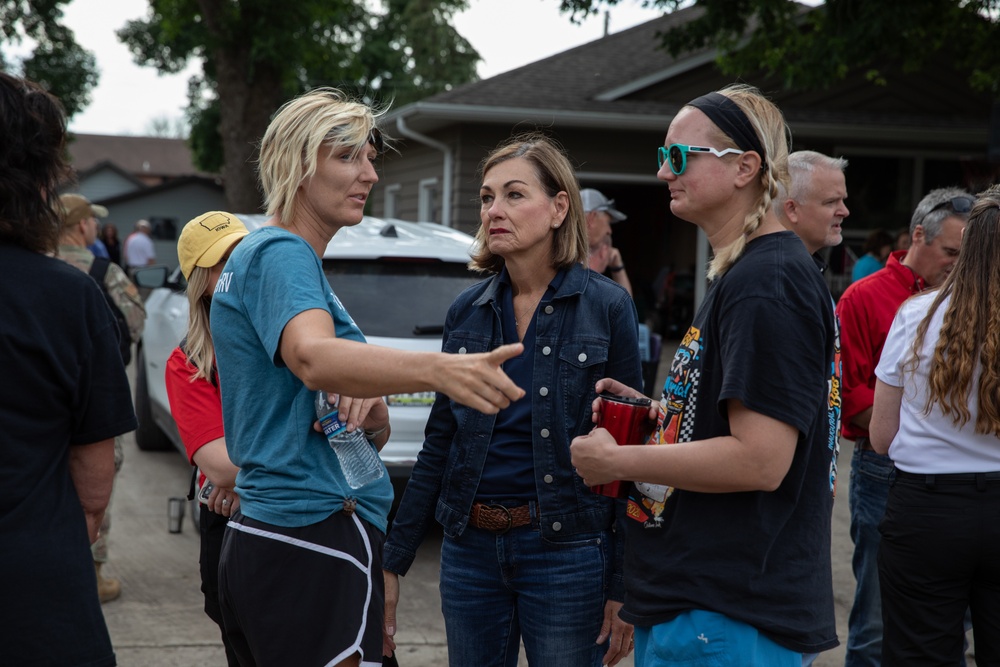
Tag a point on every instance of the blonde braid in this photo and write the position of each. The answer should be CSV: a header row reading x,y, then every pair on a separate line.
x,y
770,127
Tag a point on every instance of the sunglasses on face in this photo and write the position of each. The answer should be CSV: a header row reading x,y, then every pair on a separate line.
x,y
960,204
676,155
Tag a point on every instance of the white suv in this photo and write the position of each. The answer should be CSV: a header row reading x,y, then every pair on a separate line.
x,y
396,279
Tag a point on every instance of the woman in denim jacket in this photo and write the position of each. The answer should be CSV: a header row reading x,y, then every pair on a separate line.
x,y
529,551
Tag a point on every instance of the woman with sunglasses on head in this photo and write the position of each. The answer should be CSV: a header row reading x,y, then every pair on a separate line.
x,y
937,415
728,528
300,575
529,551
192,385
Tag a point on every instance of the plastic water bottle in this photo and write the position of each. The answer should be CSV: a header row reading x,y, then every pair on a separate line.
x,y
358,458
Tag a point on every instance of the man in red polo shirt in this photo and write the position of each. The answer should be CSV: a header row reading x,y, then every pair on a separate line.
x,y
866,311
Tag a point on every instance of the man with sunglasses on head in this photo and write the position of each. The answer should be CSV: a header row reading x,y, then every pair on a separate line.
x,y
866,311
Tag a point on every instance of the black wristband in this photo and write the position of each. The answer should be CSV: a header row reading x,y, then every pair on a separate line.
x,y
616,269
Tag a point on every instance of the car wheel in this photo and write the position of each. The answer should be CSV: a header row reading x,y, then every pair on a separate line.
x,y
148,436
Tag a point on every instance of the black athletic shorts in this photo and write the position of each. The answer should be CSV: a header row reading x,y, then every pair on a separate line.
x,y
306,596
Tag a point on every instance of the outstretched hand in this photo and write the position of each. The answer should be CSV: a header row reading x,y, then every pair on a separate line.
x,y
476,380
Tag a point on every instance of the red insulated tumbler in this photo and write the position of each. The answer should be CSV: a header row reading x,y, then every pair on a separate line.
x,y
627,420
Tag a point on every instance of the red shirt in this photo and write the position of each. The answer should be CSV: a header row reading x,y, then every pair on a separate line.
x,y
196,406
866,311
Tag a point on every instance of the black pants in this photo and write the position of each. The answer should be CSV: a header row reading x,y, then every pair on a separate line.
x,y
309,595
213,527
940,554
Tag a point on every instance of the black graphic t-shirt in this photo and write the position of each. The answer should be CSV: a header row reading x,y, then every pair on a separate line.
x,y
764,336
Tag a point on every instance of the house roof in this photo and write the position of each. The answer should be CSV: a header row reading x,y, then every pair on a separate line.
x,y
574,85
593,76
83,174
139,156
211,183
626,80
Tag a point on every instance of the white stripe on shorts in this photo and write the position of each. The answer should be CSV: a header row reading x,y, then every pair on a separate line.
x,y
327,551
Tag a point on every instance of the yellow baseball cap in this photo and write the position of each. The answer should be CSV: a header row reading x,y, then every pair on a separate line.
x,y
205,239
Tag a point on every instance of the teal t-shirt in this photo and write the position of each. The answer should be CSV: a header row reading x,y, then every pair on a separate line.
x,y
289,475
865,266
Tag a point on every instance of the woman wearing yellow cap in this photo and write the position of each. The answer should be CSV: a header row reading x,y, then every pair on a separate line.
x,y
193,389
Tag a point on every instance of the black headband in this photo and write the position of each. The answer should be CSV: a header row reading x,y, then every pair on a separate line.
x,y
729,117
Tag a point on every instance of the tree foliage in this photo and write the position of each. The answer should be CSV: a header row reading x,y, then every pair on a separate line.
x,y
811,49
256,54
58,63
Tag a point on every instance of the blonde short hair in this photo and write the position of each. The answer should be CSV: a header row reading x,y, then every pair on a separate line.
x,y
569,241
289,151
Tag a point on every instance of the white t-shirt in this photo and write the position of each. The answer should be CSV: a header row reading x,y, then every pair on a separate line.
x,y
139,250
929,443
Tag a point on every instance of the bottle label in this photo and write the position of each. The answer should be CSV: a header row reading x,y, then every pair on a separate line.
x,y
332,425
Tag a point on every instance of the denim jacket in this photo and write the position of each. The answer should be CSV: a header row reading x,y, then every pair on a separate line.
x,y
587,331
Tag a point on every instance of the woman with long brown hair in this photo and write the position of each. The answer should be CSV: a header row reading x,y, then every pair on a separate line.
x,y
64,398
937,414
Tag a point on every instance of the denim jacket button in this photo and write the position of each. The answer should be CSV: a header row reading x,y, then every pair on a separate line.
x,y
462,350
549,310
547,479
556,526
544,432
582,357
546,350
544,391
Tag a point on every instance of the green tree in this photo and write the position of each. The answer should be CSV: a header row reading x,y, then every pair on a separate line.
x,y
811,48
256,54
58,63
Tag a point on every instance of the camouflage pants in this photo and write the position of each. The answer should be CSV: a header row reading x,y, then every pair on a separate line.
x,y
99,549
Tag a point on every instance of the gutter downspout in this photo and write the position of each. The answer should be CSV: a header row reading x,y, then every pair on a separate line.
x,y
449,160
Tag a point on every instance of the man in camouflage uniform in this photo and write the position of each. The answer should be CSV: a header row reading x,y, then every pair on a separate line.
x,y
79,218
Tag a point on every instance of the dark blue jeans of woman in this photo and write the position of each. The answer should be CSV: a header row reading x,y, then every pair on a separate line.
x,y
498,589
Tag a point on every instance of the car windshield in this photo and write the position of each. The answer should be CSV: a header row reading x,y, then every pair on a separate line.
x,y
398,298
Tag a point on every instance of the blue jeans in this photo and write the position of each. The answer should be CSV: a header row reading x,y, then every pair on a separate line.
x,y
497,588
868,495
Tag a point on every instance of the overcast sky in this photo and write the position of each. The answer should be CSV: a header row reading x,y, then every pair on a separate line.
x,y
506,33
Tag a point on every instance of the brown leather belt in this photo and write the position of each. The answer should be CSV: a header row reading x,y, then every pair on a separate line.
x,y
497,518
864,444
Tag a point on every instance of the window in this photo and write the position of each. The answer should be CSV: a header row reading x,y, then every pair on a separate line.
x,y
391,203
427,201
398,297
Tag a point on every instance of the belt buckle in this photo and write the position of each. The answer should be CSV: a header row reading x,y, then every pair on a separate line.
x,y
510,519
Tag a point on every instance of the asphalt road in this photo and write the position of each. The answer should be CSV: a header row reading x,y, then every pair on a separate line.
x,y
158,621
